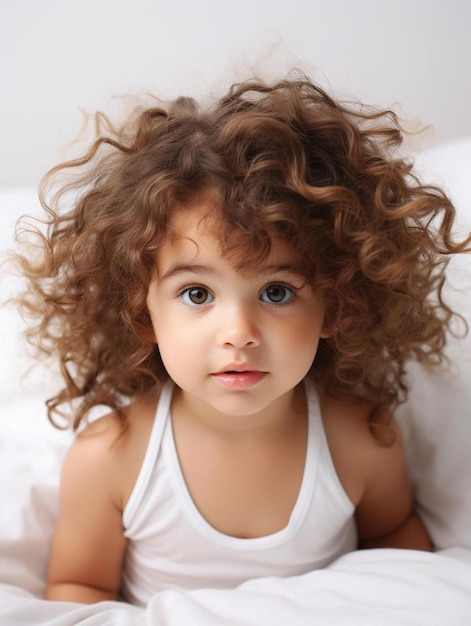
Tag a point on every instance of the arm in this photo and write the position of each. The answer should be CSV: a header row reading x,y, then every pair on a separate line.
x,y
411,535
88,546
385,513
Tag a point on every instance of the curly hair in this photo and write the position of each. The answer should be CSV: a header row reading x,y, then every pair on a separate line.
x,y
283,158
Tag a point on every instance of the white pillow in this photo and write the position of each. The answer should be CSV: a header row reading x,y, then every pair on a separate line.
x,y
436,420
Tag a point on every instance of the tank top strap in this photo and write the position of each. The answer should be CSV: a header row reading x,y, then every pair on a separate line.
x,y
151,454
312,400
313,455
334,489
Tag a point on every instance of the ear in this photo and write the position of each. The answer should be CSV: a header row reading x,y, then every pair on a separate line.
x,y
149,335
326,331
325,334
146,329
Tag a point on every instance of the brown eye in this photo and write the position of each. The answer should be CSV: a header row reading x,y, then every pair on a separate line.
x,y
277,294
196,296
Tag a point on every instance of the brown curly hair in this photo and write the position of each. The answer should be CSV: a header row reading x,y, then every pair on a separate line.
x,y
282,158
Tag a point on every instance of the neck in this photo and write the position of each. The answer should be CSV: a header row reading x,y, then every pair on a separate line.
x,y
273,422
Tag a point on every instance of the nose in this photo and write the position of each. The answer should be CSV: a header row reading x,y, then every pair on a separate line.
x,y
239,327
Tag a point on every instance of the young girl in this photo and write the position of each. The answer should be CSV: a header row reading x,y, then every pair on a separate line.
x,y
243,286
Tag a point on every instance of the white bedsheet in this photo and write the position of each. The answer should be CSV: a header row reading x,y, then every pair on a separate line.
x,y
369,588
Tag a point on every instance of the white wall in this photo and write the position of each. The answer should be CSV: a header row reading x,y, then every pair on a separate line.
x,y
60,56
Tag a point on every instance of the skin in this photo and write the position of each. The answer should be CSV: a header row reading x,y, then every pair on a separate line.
x,y
238,345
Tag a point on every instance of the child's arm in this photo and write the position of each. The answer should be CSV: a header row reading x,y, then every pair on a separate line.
x,y
89,545
374,476
385,512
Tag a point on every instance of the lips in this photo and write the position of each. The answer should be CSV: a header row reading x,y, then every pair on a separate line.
x,y
239,377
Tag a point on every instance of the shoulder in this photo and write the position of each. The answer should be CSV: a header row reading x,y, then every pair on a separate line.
x,y
351,419
358,455
109,452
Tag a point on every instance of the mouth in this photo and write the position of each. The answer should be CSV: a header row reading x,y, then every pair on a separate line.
x,y
239,376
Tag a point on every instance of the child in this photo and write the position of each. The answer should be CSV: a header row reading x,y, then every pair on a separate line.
x,y
243,286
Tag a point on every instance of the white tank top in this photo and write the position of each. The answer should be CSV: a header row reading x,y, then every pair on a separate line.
x,y
172,546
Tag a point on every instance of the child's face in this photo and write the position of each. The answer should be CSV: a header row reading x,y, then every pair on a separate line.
x,y
236,342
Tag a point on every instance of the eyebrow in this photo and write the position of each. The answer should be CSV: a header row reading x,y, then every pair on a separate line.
x,y
195,268
183,268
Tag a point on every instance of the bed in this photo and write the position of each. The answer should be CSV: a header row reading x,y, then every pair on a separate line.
x,y
374,587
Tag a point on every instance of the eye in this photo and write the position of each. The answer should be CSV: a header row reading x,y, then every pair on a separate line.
x,y
277,294
196,296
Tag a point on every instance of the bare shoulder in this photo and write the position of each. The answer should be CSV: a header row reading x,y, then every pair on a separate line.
x,y
373,473
110,450
98,475
358,454
344,420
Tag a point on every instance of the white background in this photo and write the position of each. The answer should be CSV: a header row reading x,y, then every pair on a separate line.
x,y
58,57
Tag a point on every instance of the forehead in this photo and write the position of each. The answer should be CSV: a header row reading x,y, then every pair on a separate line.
x,y
194,221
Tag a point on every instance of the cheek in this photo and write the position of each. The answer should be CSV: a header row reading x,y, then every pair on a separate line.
x,y
303,335
172,355
177,344
303,344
